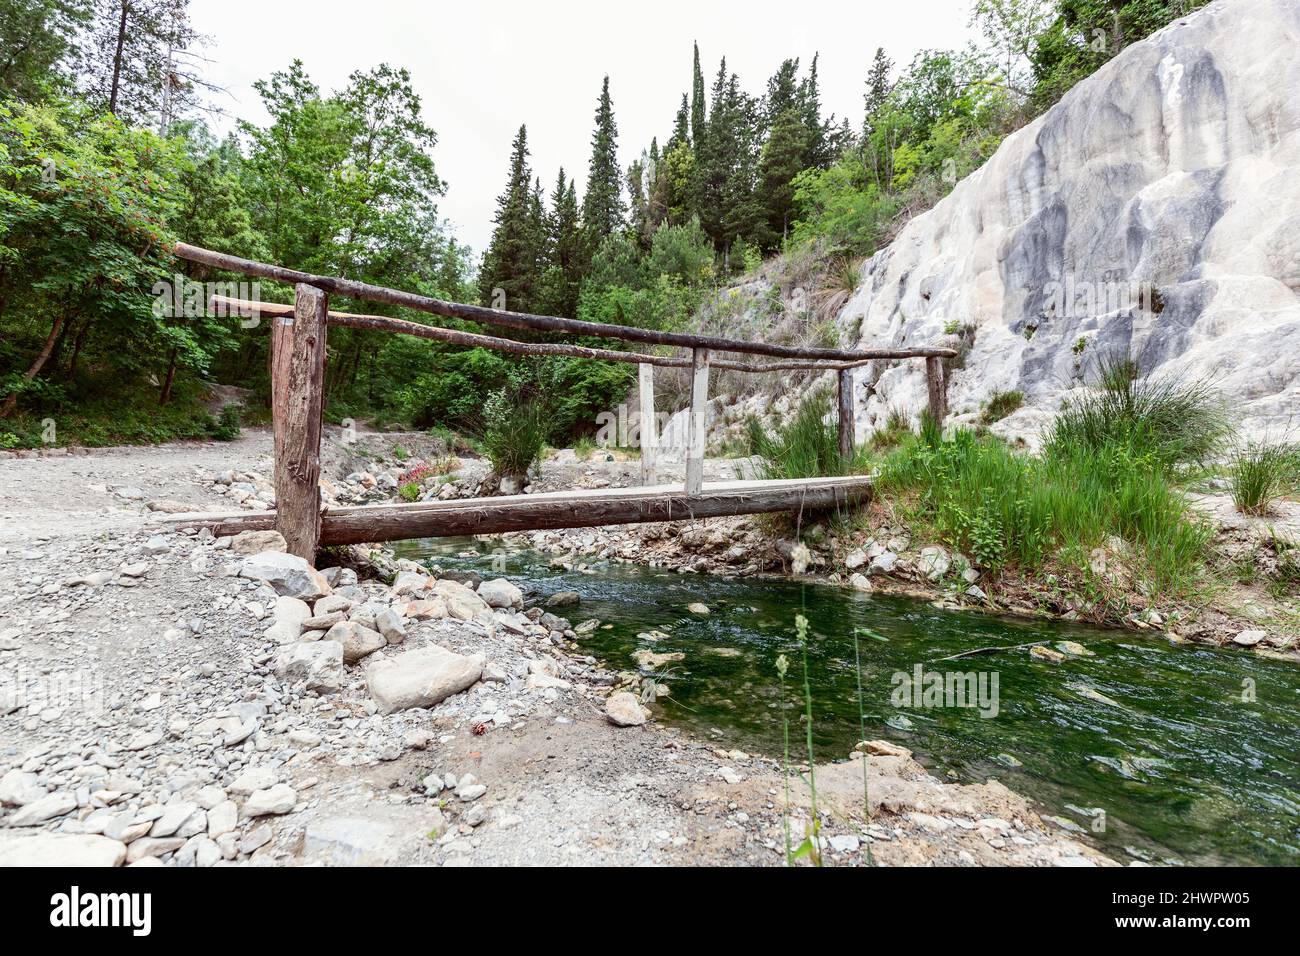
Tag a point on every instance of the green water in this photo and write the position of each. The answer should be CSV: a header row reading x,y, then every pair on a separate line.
x,y
1185,769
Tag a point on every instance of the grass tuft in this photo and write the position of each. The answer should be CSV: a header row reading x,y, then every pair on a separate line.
x,y
1262,472
806,446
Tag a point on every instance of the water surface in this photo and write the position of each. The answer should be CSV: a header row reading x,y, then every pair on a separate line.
x,y
1192,752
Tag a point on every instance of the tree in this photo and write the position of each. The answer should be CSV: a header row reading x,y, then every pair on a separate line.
x,y
697,101
139,61
783,158
38,38
603,208
563,273
878,89
513,261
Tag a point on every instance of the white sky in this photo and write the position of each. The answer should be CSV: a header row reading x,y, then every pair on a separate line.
x,y
483,68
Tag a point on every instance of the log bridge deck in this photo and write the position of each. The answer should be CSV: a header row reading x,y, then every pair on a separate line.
x,y
299,355
583,508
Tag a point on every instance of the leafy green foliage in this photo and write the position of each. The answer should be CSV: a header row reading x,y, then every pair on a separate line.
x,y
806,446
1000,405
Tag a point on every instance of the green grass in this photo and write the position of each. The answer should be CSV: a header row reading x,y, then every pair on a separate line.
x,y
1176,420
1005,509
806,446
1262,472
584,448
516,432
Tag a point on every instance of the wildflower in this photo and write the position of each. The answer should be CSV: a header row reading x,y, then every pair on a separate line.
x,y
782,665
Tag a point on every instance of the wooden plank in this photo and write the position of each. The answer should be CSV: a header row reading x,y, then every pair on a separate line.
x,y
935,387
351,288
297,391
697,423
563,509
648,434
847,441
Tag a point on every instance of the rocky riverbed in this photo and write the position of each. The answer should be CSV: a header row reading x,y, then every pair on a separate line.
x,y
176,699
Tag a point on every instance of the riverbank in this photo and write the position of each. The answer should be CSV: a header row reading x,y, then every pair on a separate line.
x,y
163,708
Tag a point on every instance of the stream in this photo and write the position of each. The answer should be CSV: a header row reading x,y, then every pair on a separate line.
x,y
1193,753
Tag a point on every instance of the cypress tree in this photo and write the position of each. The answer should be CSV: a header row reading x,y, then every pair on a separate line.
x,y
602,205
564,260
697,101
512,261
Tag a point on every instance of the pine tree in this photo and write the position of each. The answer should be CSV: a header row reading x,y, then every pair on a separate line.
x,y
783,158
602,205
878,88
512,262
681,127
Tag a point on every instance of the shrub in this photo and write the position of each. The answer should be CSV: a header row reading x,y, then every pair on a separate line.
x,y
1177,420
584,448
1000,405
410,491
807,446
517,428
227,424
1261,472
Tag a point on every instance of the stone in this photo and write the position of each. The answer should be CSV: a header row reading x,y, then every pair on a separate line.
x,y
855,559
60,850
1044,653
256,542
933,562
1249,638
287,574
882,748
255,839
471,791
274,801
17,789
461,602
173,818
622,709
860,582
883,563
420,677
358,642
499,592
319,663
391,625
254,779
43,809
698,609
564,599
223,818
348,841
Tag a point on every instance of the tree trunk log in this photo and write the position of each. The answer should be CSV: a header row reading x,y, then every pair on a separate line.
x,y
937,390
35,368
847,441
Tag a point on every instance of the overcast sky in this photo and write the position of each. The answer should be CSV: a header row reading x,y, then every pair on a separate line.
x,y
482,68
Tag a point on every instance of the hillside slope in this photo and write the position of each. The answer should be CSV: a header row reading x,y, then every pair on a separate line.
x,y
1155,210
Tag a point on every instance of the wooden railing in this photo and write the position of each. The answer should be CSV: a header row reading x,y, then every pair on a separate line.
x,y
298,354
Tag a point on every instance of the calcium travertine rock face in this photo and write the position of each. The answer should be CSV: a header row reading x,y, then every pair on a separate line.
x,y
1175,166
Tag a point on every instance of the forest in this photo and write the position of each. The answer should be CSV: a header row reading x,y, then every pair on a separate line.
x,y
108,157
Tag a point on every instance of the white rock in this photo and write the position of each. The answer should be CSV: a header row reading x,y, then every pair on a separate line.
x,y
253,779
1249,638
223,818
883,563
623,710
256,542
501,593
933,562
420,677
276,800
319,663
43,809
17,789
288,574
357,641
60,850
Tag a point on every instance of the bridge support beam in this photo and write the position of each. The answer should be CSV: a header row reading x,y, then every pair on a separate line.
x,y
297,395
697,438
938,393
648,436
847,438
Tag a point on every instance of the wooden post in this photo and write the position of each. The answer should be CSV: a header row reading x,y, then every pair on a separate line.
x,y
297,399
934,384
648,435
696,442
847,440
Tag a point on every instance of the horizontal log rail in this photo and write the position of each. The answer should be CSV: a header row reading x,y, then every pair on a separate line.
x,y
544,323
550,510
384,323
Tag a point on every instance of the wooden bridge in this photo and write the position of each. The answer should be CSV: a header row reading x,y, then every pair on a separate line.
x,y
298,355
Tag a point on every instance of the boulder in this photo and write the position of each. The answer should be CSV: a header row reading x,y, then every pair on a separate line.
x,y
357,641
933,562
255,542
273,801
501,593
319,663
420,677
61,850
287,574
462,603
624,710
